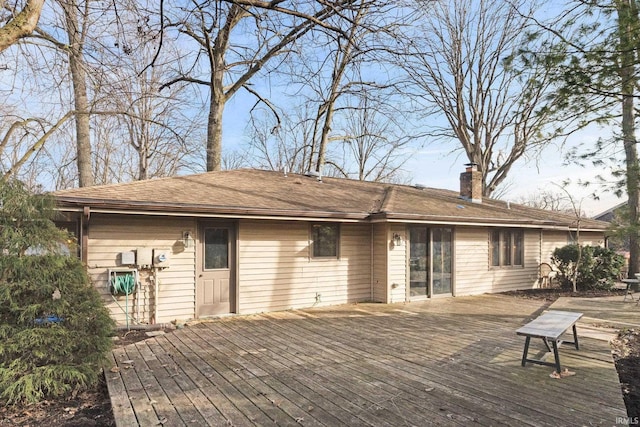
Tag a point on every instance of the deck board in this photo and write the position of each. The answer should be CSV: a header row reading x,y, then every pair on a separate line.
x,y
441,362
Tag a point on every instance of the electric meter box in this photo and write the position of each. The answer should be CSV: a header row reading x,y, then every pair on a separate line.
x,y
128,258
144,257
161,257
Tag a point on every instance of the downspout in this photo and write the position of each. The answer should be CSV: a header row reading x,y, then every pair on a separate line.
x,y
84,238
156,291
236,272
372,260
540,241
454,239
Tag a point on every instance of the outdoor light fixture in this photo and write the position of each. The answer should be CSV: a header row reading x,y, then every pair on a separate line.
x,y
187,239
397,239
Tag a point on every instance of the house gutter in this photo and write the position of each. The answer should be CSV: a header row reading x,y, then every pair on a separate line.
x,y
378,216
471,221
337,217
309,216
191,209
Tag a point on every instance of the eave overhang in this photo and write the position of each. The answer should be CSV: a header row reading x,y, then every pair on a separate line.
x,y
198,210
476,221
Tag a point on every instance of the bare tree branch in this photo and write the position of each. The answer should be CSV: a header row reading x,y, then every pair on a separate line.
x,y
21,24
36,146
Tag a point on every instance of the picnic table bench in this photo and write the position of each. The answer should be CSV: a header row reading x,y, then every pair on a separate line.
x,y
629,290
550,326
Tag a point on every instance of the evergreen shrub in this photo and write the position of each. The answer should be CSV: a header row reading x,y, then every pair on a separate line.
x,y
598,268
55,332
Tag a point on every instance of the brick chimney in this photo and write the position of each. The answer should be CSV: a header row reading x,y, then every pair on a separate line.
x,y
471,183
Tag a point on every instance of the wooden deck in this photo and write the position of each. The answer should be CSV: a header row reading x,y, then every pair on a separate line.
x,y
442,362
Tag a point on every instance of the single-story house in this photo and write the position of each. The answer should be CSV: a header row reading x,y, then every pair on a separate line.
x,y
249,241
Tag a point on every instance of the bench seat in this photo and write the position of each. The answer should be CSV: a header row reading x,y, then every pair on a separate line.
x,y
550,326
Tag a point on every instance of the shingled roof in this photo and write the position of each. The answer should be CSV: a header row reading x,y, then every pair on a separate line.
x,y
257,193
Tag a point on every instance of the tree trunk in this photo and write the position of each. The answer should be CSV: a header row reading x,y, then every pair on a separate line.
x,y
143,151
344,56
80,98
627,23
214,129
216,53
324,138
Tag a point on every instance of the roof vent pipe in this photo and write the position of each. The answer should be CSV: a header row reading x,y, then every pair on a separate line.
x,y
316,174
471,183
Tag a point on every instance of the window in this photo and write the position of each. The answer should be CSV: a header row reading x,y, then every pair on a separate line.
x,y
325,239
216,248
506,248
72,245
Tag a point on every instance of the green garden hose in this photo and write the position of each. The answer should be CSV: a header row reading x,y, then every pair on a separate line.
x,y
123,285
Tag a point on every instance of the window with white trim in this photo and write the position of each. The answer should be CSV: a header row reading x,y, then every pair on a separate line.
x,y
506,248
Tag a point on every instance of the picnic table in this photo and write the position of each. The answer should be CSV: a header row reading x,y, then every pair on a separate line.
x,y
550,326
629,291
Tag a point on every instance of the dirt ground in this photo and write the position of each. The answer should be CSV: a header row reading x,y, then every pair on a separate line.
x,y
93,408
626,353
89,409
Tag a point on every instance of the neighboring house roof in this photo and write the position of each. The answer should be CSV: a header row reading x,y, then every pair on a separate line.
x,y
609,213
270,194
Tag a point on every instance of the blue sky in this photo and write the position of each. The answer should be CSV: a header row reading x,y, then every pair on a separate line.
x,y
436,167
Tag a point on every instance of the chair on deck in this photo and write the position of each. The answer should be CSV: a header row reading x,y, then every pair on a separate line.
x,y
545,275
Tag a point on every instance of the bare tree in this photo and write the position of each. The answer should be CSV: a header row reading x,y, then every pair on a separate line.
x,y
548,200
21,22
99,63
576,210
282,144
234,160
462,64
21,138
76,20
373,147
234,41
545,200
152,126
77,28
331,81
345,53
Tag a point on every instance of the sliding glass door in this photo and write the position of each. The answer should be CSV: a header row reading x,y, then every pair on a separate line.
x,y
430,262
418,262
441,261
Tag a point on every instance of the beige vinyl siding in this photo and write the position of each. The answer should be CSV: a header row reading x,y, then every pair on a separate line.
x,y
552,239
397,277
380,256
473,274
591,238
109,236
275,271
